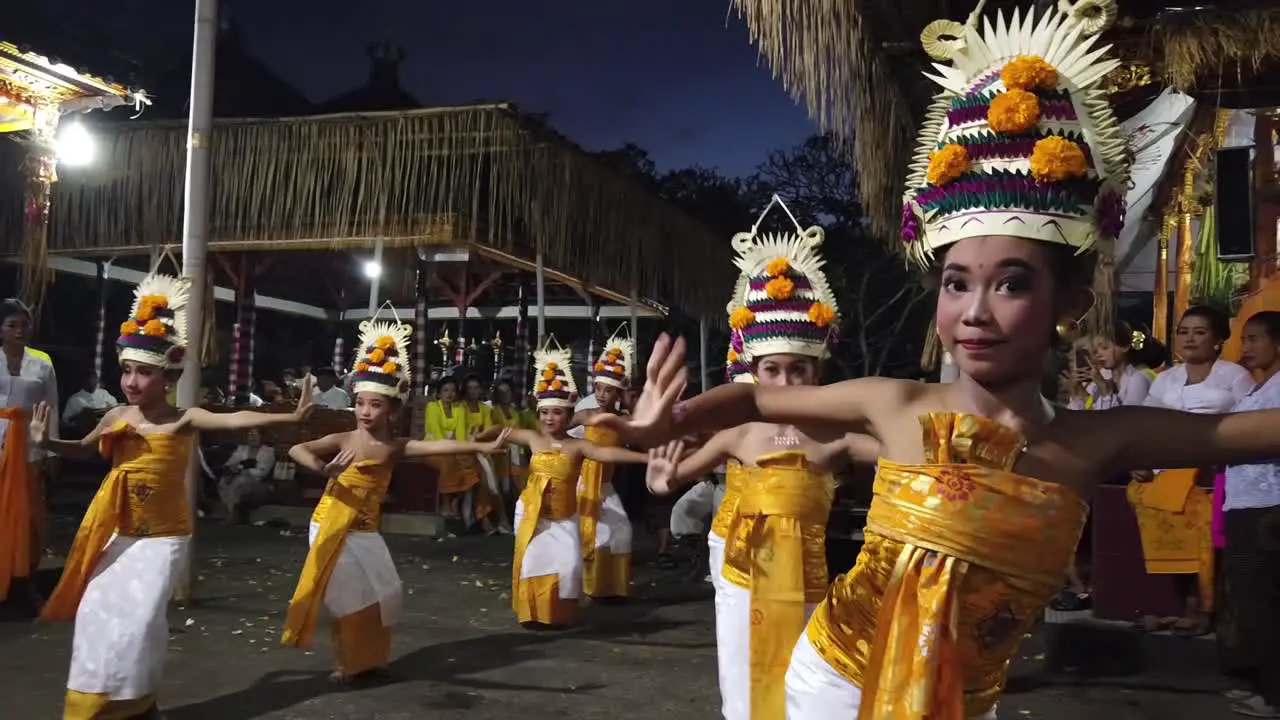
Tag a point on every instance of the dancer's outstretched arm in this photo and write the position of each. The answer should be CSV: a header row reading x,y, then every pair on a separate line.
x,y
670,468
86,448
202,419
1147,437
610,455
417,449
312,454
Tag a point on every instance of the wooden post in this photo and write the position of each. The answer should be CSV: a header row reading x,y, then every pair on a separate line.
x,y
1160,291
375,282
1266,208
541,291
422,346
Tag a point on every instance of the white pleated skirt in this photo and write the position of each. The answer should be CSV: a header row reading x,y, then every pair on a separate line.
x,y
364,574
556,549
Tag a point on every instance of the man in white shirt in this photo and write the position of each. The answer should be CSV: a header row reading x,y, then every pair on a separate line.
x,y
92,397
328,394
242,485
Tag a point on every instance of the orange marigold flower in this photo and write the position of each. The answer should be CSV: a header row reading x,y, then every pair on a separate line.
x,y
821,314
616,352
778,267
740,318
155,328
1014,111
362,367
148,305
548,374
552,366
377,356
556,385
1056,158
947,163
390,367
779,288
732,356
129,327
599,367
386,342
542,387
1029,72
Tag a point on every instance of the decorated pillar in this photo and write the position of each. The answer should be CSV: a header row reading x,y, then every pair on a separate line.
x,y
242,345
522,379
100,345
422,348
339,362
39,174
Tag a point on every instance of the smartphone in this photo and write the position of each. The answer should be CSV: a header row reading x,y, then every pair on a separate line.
x,y
1083,359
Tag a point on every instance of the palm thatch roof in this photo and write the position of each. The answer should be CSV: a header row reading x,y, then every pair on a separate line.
x,y
857,65
485,175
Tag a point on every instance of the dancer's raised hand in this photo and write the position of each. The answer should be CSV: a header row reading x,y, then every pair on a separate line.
x,y
305,399
660,474
339,463
650,422
40,424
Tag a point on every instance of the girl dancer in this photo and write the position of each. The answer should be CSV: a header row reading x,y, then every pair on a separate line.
x,y
604,525
546,576
1018,183
348,566
774,559
133,540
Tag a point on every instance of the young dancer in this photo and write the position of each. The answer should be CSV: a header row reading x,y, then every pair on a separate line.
x,y
546,576
133,541
348,567
1018,183
604,525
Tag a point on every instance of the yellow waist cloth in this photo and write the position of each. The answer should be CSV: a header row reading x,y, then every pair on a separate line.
x,y
960,557
776,548
551,494
356,493
735,477
15,502
591,488
1175,524
144,495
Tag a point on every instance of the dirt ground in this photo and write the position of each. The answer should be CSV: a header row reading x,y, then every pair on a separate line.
x,y
460,654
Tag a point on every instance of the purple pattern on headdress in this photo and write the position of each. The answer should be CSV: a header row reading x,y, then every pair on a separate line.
x,y
1018,188
1013,146
799,305
735,341
1111,212
799,282
785,328
1051,108
910,224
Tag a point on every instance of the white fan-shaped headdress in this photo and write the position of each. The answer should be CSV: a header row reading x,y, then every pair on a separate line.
x,y
156,331
382,359
617,360
553,384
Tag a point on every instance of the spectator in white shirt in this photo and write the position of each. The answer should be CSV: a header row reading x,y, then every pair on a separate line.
x,y
92,397
1107,374
243,482
328,394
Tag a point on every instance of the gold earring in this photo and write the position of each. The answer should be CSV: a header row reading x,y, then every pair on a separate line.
x,y
1067,330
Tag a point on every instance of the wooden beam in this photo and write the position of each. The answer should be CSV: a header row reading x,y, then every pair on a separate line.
x,y
482,286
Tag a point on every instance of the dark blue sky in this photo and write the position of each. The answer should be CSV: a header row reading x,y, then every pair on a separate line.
x,y
678,77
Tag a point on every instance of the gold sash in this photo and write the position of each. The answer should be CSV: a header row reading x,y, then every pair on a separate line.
x,y
1175,525
15,502
591,488
960,558
551,494
735,478
354,494
775,547
144,495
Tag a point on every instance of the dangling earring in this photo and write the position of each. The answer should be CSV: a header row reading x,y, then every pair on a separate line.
x,y
1067,330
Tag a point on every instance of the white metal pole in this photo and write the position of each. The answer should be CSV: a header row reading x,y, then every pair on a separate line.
x,y
702,352
635,313
375,282
542,297
195,228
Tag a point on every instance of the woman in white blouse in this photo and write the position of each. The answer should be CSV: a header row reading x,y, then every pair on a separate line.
x,y
27,379
1251,561
1112,375
1203,383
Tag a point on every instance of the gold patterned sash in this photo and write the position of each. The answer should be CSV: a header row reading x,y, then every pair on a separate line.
x,y
354,494
552,494
775,547
735,478
591,488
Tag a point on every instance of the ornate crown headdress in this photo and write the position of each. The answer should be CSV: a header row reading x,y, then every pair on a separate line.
x,y
782,301
553,385
616,362
382,359
1021,140
156,331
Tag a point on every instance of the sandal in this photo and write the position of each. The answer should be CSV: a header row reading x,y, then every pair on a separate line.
x,y
1255,707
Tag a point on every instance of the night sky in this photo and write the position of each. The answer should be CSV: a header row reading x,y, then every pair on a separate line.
x,y
677,77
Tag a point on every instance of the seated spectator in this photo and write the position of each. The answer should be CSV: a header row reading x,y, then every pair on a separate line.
x,y
242,485
91,397
327,393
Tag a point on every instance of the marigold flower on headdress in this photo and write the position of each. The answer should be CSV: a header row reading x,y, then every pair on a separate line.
x,y
1029,72
740,318
129,327
779,288
947,163
548,374
1056,158
552,366
149,305
386,342
1014,111
778,267
556,385
362,367
599,367
821,314
376,356
390,367
732,356
155,328
541,387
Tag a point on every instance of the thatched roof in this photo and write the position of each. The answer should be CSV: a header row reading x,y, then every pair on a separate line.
x,y
439,176
857,66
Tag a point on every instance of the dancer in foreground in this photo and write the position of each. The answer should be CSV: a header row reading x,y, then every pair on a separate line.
x,y
774,567
605,527
348,567
133,541
546,576
1018,184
